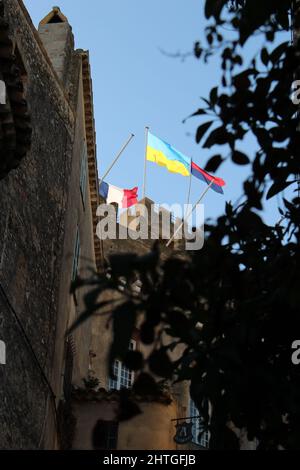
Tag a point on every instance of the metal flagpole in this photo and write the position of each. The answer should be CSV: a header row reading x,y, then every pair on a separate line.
x,y
191,211
189,194
116,159
108,170
145,163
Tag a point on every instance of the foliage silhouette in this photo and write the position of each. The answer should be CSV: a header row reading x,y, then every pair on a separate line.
x,y
234,305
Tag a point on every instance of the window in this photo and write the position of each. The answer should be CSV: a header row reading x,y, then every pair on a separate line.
x,y
105,435
83,173
203,439
124,377
76,256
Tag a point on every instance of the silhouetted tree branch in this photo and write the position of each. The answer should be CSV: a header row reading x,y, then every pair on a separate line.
x,y
234,305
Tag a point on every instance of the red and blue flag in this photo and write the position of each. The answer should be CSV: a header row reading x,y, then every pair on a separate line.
x,y
202,175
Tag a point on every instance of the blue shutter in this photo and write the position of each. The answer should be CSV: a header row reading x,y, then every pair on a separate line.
x,y
83,173
76,256
202,440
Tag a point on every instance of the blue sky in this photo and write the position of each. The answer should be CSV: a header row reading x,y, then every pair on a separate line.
x,y
136,85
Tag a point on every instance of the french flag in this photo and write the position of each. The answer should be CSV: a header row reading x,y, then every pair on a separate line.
x,y
207,178
123,197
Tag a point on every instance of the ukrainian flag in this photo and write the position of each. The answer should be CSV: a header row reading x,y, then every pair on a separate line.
x,y
162,153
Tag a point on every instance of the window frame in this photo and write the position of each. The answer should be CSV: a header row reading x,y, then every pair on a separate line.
x,y
109,440
122,373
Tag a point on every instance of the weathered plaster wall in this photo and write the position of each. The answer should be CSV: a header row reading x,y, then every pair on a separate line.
x,y
151,430
101,327
87,414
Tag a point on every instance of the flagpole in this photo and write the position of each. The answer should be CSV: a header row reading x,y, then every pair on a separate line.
x,y
189,194
116,159
145,162
191,211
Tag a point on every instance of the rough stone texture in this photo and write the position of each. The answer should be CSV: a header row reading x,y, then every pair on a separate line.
x,y
15,128
40,208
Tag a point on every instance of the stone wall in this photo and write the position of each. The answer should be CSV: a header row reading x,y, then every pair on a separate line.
x,y
40,209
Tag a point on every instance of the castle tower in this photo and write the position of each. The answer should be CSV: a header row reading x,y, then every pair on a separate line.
x,y
56,34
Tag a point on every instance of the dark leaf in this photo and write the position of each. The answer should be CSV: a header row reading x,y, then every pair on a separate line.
x,y
218,136
278,187
180,324
128,408
270,36
210,39
263,137
242,80
264,55
134,360
199,112
213,8
240,158
213,97
290,206
228,209
148,261
278,51
209,8
280,134
91,297
283,19
124,318
122,263
231,441
160,363
147,333
145,385
79,282
202,130
87,314
214,163
248,222
253,18
198,50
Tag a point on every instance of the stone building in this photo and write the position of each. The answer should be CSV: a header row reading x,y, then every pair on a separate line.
x,y
98,408
48,202
47,232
